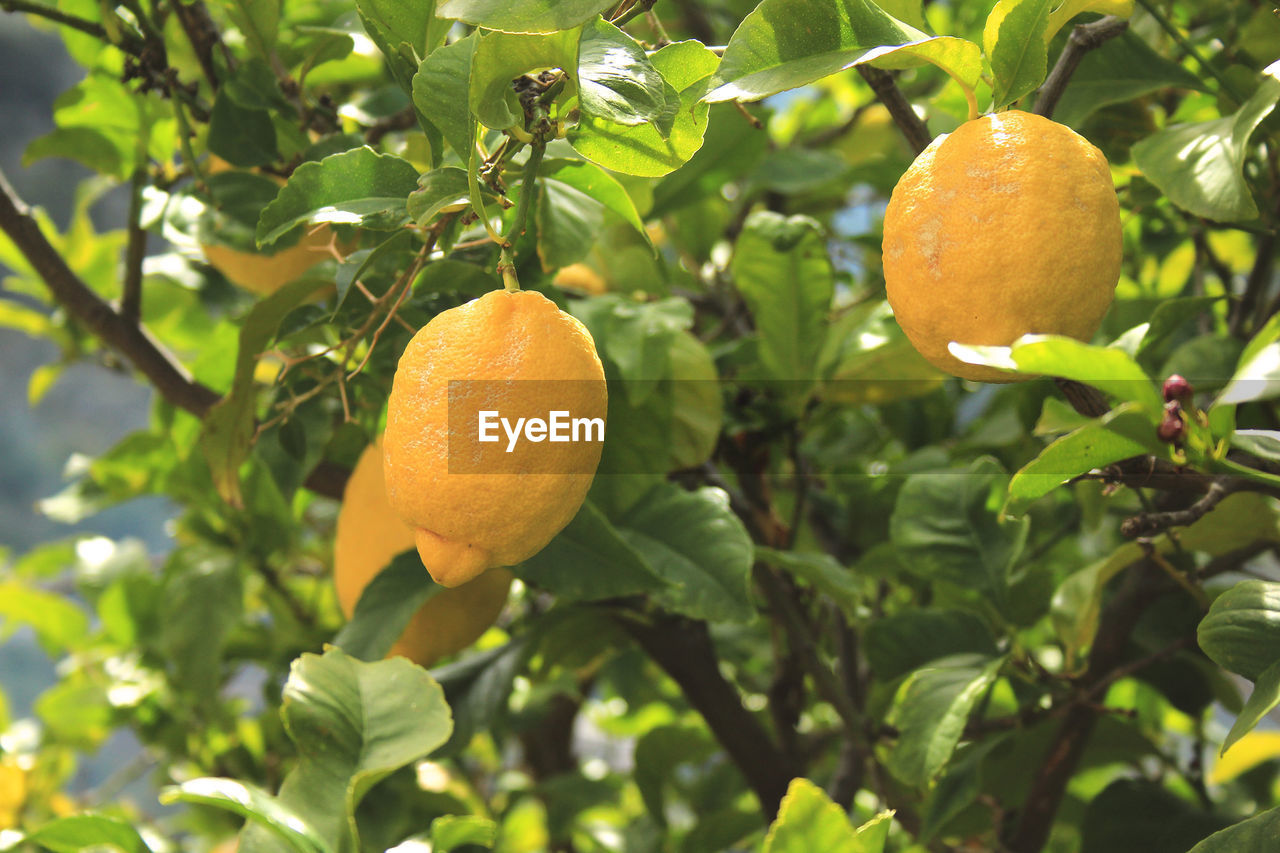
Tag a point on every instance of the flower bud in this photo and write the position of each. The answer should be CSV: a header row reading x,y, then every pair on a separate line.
x,y
1172,427
1178,388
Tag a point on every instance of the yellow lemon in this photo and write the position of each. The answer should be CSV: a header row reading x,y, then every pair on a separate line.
x,y
369,535
1008,226
477,496
580,277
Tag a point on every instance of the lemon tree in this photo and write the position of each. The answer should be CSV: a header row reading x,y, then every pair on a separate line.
x,y
619,425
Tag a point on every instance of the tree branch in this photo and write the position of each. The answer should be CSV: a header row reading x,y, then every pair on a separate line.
x,y
1084,38
911,125
203,34
683,649
1151,523
135,252
128,42
145,352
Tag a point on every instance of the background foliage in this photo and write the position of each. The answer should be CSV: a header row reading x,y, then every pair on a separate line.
x,y
820,595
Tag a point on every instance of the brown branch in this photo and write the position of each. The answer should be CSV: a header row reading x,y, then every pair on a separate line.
x,y
683,649
135,252
203,34
131,340
128,41
1085,399
1083,39
911,125
1150,523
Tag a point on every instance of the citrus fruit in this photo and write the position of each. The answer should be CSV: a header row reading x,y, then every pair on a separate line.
x,y
580,277
1008,226
475,502
369,535
265,274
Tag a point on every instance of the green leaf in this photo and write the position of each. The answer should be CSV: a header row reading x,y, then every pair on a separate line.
x,y
441,89
694,542
228,429
1265,444
354,724
589,560
930,711
1256,833
945,526
242,137
359,186
823,572
788,43
478,687
1200,166
659,753
204,586
1077,603
1138,814
385,607
597,184
405,33
809,821
1123,432
907,640
783,271
697,407
1258,378
251,802
1070,8
452,831
576,201
81,832
642,149
59,625
1014,39
1110,370
1241,631
616,81
1265,696
499,58
523,16
257,20
438,190
1116,71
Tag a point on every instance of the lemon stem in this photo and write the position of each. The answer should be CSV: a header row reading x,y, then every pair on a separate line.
x,y
528,183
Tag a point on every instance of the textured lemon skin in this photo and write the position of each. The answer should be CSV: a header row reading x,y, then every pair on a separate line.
x,y
369,535
1008,226
465,523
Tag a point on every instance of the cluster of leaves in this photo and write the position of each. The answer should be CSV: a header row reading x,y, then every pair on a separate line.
x,y
807,557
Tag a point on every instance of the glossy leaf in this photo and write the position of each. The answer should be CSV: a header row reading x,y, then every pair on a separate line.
x,y
901,642
405,33
359,186
523,16
1241,631
930,711
1014,39
1199,166
1122,433
590,559
441,92
643,149
1256,833
438,190
1070,8
616,81
1265,696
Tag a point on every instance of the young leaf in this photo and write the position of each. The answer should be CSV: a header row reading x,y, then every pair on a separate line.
x,y
405,33
523,16
1199,166
79,832
452,831
808,821
438,190
1014,40
356,186
643,149
58,623
501,57
931,709
1070,8
251,802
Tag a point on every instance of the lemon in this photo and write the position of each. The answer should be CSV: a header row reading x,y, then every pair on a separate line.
x,y
477,504
1008,226
369,535
580,277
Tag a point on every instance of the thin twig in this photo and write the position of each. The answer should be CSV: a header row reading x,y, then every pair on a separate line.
x,y
1147,524
128,42
1083,39
135,251
904,116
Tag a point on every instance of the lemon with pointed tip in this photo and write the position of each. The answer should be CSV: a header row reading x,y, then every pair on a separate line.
x,y
1008,226
476,503
369,535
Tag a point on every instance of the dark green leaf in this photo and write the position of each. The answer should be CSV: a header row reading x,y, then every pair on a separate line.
x,y
1256,833
1136,814
904,641
438,190
1241,631
204,586
821,571
1265,696
357,186
478,687
242,137
590,559
930,711
616,81
385,607
441,89
1118,70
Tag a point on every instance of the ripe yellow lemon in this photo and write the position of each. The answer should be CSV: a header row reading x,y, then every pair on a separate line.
x,y
1008,226
580,277
369,535
265,274
476,503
